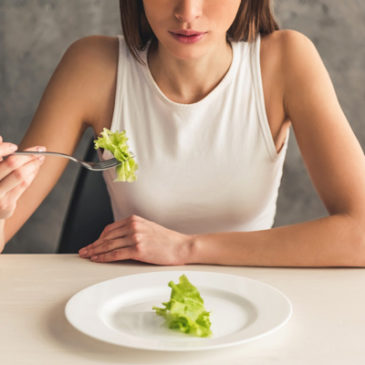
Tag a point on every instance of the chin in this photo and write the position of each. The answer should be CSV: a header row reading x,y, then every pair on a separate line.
x,y
187,53
188,56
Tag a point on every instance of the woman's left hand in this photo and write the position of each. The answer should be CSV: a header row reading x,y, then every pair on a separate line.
x,y
137,238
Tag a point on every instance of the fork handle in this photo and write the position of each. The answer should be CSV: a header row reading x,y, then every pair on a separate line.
x,y
58,154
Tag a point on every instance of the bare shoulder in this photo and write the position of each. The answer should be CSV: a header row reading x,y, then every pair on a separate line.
x,y
288,47
286,36
95,49
92,62
295,53
93,58
294,60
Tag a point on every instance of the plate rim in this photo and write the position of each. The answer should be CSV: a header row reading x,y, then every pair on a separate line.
x,y
201,347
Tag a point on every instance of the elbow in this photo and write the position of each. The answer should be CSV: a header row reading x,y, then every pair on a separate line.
x,y
359,251
355,243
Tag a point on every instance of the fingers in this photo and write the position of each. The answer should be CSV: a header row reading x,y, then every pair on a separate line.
x,y
131,221
14,162
13,186
106,246
6,149
16,174
8,202
21,176
112,227
118,232
124,253
16,192
36,148
117,236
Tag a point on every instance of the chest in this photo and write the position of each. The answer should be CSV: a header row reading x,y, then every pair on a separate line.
x,y
209,161
273,96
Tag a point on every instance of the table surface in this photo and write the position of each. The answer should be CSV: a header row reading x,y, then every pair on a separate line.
x,y
327,325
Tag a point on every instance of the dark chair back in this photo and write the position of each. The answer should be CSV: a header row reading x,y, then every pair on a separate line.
x,y
89,210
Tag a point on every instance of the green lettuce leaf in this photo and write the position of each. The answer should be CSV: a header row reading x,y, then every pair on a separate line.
x,y
116,143
185,311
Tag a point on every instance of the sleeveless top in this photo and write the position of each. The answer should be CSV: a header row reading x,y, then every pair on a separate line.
x,y
210,166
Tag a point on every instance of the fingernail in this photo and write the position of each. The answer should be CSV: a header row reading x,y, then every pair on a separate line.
x,y
13,147
41,149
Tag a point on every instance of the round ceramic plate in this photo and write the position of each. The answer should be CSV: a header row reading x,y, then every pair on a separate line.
x,y
119,311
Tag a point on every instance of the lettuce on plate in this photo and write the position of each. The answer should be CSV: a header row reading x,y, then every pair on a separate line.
x,y
116,143
185,311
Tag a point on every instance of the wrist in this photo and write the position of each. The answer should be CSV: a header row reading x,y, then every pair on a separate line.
x,y
192,251
225,248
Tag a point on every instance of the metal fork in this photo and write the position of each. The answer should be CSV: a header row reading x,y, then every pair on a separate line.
x,y
93,166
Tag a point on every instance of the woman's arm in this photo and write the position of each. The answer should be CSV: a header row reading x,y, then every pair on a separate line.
x,y
335,162
16,174
74,99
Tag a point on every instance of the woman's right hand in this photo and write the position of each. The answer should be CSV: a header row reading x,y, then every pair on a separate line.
x,y
16,174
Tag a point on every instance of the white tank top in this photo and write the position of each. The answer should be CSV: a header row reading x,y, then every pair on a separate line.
x,y
210,166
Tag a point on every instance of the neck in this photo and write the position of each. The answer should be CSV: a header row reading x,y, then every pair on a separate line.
x,y
188,81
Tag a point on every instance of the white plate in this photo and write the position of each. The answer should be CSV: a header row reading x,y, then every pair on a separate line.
x,y
119,311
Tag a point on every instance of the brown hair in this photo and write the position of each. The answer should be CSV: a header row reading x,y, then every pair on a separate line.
x,y
253,17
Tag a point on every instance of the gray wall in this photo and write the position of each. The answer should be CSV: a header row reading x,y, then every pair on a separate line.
x,y
35,33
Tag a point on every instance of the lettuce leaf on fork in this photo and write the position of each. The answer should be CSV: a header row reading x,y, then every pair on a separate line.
x,y
185,311
116,143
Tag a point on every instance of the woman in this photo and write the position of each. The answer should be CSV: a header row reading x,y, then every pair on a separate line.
x,y
206,91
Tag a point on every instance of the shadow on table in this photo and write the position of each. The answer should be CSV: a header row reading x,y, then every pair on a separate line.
x,y
70,340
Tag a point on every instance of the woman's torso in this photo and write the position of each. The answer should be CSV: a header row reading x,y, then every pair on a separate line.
x,y
166,195
272,79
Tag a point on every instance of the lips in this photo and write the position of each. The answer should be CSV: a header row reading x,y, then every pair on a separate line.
x,y
188,36
187,33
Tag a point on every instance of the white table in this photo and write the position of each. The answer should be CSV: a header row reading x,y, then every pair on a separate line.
x,y
327,326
